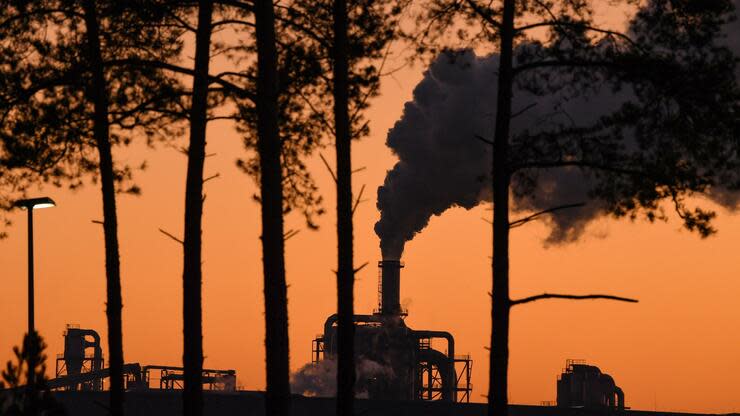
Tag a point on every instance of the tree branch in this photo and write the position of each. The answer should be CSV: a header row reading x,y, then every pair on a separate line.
x,y
232,22
171,236
359,199
522,221
576,163
483,139
360,268
181,70
323,159
571,297
291,233
483,14
562,63
211,177
578,25
523,110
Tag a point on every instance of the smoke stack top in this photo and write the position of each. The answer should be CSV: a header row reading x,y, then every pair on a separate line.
x,y
390,287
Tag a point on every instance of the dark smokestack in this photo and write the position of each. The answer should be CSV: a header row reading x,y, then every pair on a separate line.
x,y
390,287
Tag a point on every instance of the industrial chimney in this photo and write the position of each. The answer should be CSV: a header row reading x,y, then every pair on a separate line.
x,y
390,287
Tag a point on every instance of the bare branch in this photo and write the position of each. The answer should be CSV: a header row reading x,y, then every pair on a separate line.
x,y
290,234
522,221
228,86
484,14
317,112
232,22
353,117
571,297
483,139
358,200
522,111
580,25
233,74
211,177
98,222
171,236
182,23
360,267
323,159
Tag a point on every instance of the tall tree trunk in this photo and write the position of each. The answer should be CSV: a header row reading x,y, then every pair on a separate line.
x,y
345,267
501,303
192,274
98,93
277,401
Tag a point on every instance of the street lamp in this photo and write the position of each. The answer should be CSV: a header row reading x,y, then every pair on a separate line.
x,y
29,205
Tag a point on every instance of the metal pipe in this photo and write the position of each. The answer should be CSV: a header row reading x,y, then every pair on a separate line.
x,y
439,334
620,398
331,320
450,374
97,350
449,379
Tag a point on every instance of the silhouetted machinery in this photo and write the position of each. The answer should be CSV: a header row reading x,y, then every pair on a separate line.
x,y
78,369
404,363
582,385
76,360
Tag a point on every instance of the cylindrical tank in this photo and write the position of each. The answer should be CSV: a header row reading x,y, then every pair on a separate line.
x,y
74,350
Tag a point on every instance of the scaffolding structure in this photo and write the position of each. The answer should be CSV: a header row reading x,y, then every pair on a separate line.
x,y
430,381
172,378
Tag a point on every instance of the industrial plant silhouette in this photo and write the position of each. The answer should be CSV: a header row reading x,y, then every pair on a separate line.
x,y
560,112
395,364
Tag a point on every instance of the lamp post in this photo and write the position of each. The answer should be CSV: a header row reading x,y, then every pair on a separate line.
x,y
29,205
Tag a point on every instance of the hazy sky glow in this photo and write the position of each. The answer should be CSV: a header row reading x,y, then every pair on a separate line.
x,y
678,349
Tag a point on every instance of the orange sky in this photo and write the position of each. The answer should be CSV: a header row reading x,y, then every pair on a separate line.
x,y
678,349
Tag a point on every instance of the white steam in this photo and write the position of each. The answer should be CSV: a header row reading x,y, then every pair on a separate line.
x,y
320,379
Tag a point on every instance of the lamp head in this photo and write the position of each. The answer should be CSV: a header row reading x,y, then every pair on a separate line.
x,y
35,203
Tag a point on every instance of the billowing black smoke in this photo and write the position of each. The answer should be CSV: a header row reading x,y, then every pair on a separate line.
x,y
442,163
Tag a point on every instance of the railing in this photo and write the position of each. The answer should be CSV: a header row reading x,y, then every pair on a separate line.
x,y
570,362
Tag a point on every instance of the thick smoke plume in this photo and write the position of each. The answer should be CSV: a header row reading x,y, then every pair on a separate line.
x,y
442,165
320,379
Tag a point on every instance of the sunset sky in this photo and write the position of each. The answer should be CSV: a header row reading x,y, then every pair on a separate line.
x,y
678,349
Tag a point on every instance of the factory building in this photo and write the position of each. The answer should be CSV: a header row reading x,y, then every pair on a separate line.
x,y
585,386
80,368
417,369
